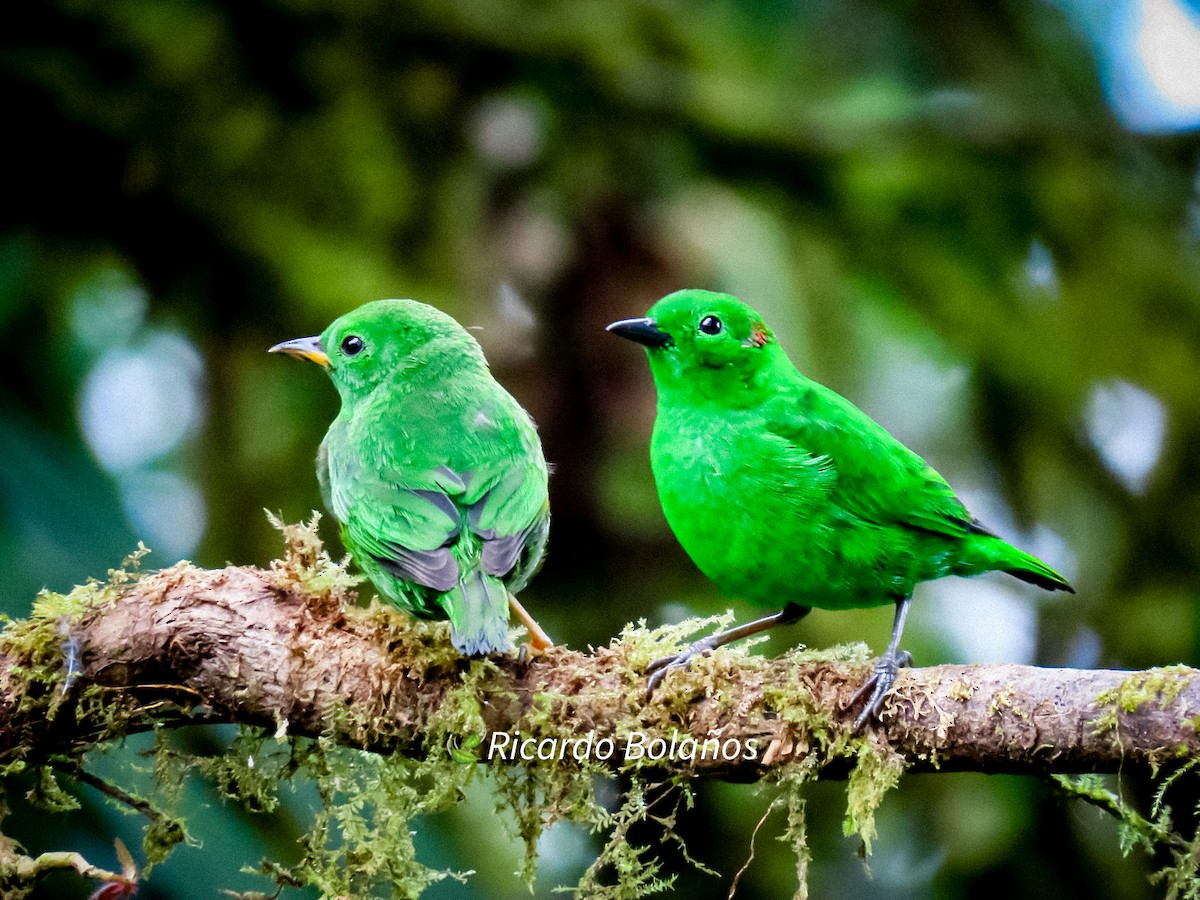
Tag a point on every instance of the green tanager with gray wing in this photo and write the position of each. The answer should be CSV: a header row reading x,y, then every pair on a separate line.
x,y
434,471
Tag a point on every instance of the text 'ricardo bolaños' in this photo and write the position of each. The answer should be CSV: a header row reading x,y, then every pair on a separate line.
x,y
632,746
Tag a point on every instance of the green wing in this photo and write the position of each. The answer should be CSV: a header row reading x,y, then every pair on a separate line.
x,y
507,503
406,520
411,521
878,479
512,518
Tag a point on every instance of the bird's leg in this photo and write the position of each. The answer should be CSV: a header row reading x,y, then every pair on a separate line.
x,y
886,669
538,639
658,669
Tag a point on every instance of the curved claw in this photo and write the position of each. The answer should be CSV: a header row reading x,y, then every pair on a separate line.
x,y
659,674
887,667
658,669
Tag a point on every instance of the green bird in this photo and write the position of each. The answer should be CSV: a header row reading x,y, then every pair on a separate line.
x,y
786,494
433,470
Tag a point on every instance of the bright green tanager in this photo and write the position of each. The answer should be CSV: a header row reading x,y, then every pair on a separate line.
x,y
786,494
433,470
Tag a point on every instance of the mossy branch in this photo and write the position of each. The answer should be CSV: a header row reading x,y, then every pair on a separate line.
x,y
286,648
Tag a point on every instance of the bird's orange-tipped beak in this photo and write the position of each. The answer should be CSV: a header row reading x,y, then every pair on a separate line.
x,y
306,348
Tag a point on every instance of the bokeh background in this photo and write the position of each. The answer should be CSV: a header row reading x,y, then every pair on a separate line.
x,y
980,222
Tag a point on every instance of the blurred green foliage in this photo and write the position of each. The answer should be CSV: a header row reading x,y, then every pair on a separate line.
x,y
931,203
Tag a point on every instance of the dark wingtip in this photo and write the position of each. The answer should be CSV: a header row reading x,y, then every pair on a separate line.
x,y
1057,583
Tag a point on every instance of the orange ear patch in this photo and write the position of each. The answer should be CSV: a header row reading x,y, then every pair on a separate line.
x,y
758,336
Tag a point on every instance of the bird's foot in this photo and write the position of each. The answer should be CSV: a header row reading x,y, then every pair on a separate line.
x,y
532,649
887,667
539,641
658,669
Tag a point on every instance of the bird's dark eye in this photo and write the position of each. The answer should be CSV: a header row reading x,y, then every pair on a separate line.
x,y
352,345
711,325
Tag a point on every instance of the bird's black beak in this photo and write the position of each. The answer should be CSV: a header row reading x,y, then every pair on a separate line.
x,y
643,331
306,348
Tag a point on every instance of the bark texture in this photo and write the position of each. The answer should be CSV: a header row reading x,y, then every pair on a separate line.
x,y
282,648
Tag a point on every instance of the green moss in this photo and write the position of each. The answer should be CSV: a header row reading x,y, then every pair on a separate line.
x,y
1155,835
162,835
43,655
624,871
876,768
460,712
307,564
795,833
48,794
1160,686
536,796
249,771
362,833
360,840
876,772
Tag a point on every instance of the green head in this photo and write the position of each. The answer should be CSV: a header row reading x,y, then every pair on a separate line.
x,y
706,346
372,343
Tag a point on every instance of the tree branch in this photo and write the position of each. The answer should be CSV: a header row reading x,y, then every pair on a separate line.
x,y
28,869
285,648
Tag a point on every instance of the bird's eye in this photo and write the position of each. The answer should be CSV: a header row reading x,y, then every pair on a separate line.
x,y
352,345
711,325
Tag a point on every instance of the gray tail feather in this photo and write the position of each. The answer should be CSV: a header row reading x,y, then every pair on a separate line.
x,y
478,611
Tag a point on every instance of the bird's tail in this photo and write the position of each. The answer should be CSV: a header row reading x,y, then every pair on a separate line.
x,y
478,611
984,552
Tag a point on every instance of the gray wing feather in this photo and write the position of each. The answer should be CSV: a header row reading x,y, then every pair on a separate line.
x,y
434,569
517,556
500,554
441,501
